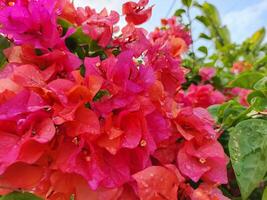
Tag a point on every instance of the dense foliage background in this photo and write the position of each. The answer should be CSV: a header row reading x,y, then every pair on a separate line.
x,y
243,117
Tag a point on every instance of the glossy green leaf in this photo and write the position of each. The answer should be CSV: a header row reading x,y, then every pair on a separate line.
x,y
179,12
232,113
247,147
261,85
20,196
259,103
246,80
187,3
228,113
254,94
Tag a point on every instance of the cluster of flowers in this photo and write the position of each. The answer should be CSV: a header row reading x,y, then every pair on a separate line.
x,y
204,94
110,127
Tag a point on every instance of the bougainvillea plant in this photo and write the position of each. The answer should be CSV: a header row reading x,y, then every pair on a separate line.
x,y
86,114
93,111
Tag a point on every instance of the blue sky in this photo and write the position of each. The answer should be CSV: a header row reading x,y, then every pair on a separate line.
x,y
243,17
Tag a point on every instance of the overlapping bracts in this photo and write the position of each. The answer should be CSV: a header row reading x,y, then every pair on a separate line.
x,y
112,127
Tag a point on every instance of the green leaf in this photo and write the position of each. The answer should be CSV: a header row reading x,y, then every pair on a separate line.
x,y
259,103
261,63
228,113
64,24
4,43
2,60
203,20
80,37
231,113
214,111
247,146
179,12
264,196
187,3
20,196
100,94
261,85
204,50
204,36
254,94
211,11
256,39
225,35
246,80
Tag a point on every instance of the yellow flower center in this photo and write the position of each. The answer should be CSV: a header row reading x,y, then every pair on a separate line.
x,y
143,143
202,160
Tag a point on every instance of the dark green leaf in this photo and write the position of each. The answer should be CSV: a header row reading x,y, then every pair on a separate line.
x,y
100,94
4,43
82,70
204,50
248,146
87,105
204,36
3,60
116,52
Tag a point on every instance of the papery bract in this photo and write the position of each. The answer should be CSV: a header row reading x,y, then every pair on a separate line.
x,y
136,13
207,73
157,182
100,26
33,23
206,161
195,123
204,96
208,192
